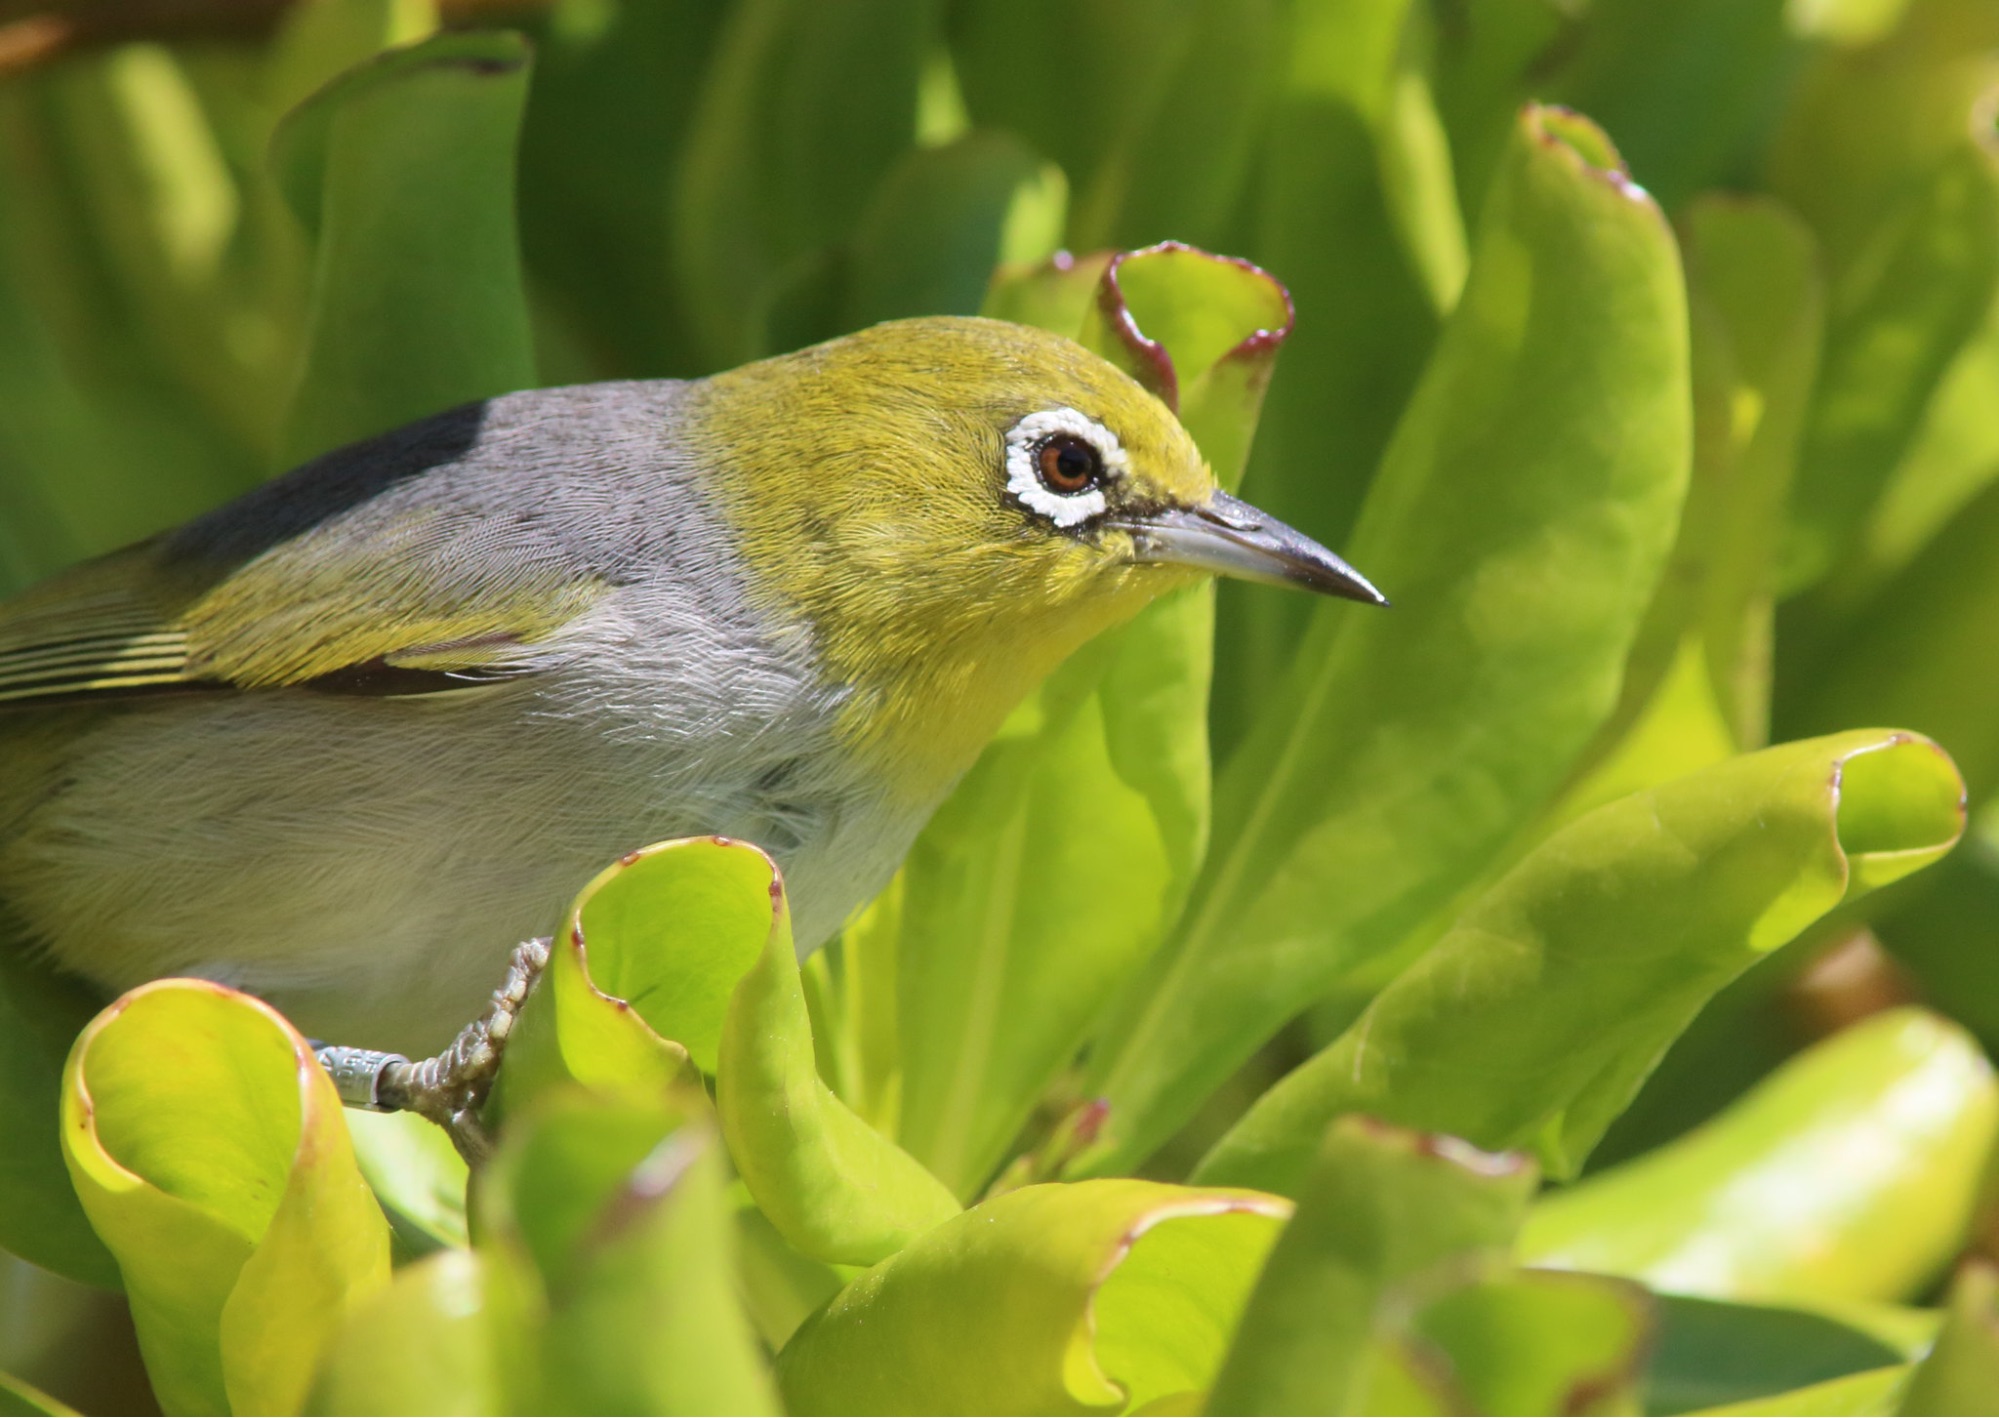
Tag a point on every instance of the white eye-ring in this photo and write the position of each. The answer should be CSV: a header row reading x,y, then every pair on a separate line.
x,y
1044,436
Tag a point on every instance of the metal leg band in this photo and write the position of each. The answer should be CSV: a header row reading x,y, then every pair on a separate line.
x,y
357,1075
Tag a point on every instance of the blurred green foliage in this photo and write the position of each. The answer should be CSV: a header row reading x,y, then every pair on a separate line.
x,y
1647,354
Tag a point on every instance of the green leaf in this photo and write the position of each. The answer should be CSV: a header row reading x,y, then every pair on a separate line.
x,y
614,92
780,1287
424,1344
1961,1375
1710,1353
1161,142
403,169
1357,206
1007,956
1864,1395
1938,929
416,1174
620,1207
1098,1296
1055,294
1634,66
320,39
1203,332
40,1219
1536,1017
1850,1173
1369,240
1898,319
161,204
1697,683
1847,22
941,220
209,1150
1519,523
1386,1218
1132,52
672,928
105,437
833,1187
784,148
1884,149
1181,168
1915,652
1863,128
1953,457
639,980
1756,307
1488,59
1534,1342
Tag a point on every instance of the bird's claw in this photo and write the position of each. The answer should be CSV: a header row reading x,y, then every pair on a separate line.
x,y
449,1088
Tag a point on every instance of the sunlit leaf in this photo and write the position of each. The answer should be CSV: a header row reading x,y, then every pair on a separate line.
x,y
1088,1297
1532,1341
1961,1375
1870,1394
1536,1017
1385,1219
639,979
833,1187
1851,1173
619,1209
423,1344
415,1172
209,1150
1519,524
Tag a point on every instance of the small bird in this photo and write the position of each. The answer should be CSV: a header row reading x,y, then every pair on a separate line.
x,y
346,740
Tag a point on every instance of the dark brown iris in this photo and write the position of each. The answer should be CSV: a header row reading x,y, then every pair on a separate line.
x,y
1069,464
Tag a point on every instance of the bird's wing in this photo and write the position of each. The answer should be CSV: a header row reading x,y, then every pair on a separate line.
x,y
386,616
126,625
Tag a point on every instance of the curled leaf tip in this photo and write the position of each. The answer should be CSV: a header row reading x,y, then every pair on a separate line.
x,y
1149,359
1898,803
1560,128
1154,364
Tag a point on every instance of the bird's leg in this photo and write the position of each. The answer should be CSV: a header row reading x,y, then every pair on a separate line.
x,y
448,1088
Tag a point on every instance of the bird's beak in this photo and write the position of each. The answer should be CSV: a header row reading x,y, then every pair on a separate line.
x,y
1228,537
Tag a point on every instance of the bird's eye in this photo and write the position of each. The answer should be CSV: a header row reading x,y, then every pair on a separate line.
x,y
1062,466
1069,464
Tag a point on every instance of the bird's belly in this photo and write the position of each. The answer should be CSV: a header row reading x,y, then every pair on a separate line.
x,y
368,865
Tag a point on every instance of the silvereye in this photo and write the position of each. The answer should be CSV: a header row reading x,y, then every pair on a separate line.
x,y
345,741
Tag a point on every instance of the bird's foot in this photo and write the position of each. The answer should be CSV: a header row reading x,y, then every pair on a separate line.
x,y
451,1087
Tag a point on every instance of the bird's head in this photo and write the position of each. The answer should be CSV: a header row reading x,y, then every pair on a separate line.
x,y
954,505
